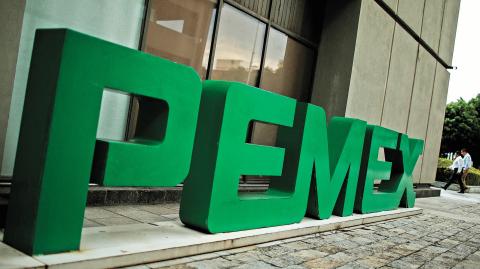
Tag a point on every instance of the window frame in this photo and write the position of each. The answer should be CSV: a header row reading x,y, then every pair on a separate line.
x,y
269,24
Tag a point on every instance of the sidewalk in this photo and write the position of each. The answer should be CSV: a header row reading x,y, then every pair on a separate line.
x,y
456,187
446,235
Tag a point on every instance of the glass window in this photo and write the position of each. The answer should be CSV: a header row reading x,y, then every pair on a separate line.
x,y
288,71
239,47
181,31
288,67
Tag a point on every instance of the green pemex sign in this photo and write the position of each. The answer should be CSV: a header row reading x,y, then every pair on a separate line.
x,y
190,132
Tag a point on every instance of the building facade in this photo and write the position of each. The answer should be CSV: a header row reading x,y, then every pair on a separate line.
x,y
385,62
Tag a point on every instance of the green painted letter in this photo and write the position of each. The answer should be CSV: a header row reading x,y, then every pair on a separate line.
x,y
395,173
67,76
210,199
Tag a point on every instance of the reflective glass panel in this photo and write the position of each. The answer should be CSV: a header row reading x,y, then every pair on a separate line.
x,y
239,47
181,31
288,71
288,67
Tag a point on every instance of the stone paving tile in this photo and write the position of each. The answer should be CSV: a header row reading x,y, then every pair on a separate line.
x,y
116,221
158,209
255,265
90,223
325,263
309,254
213,264
120,215
297,245
98,212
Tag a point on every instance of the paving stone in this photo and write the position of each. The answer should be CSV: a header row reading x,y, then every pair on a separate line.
x,y
178,266
401,264
358,253
345,244
431,239
90,223
397,231
398,240
316,241
388,255
467,265
98,212
353,265
247,257
446,260
463,249
414,246
324,263
450,257
256,265
475,257
475,239
330,249
309,254
285,260
137,267
361,240
434,250
341,257
418,258
296,267
435,264
158,209
400,249
372,262
275,251
136,214
297,245
116,221
217,263
447,243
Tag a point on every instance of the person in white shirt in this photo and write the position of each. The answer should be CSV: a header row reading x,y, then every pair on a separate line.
x,y
457,168
467,164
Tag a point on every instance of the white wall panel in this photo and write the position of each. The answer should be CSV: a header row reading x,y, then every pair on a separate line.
x,y
117,21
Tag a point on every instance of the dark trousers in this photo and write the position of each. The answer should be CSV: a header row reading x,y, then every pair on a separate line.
x,y
456,177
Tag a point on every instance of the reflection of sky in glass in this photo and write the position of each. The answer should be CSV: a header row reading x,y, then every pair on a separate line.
x,y
181,31
277,46
206,53
175,25
240,38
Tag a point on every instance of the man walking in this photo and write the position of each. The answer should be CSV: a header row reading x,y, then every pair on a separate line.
x,y
467,164
457,168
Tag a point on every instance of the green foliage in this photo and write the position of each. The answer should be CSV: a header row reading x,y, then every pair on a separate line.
x,y
444,163
461,128
443,173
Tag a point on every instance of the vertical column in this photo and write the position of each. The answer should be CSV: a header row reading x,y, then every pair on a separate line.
x,y
420,103
371,63
11,17
399,85
443,20
449,30
411,12
435,125
432,22
335,56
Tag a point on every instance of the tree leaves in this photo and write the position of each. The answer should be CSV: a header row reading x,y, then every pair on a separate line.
x,y
461,128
